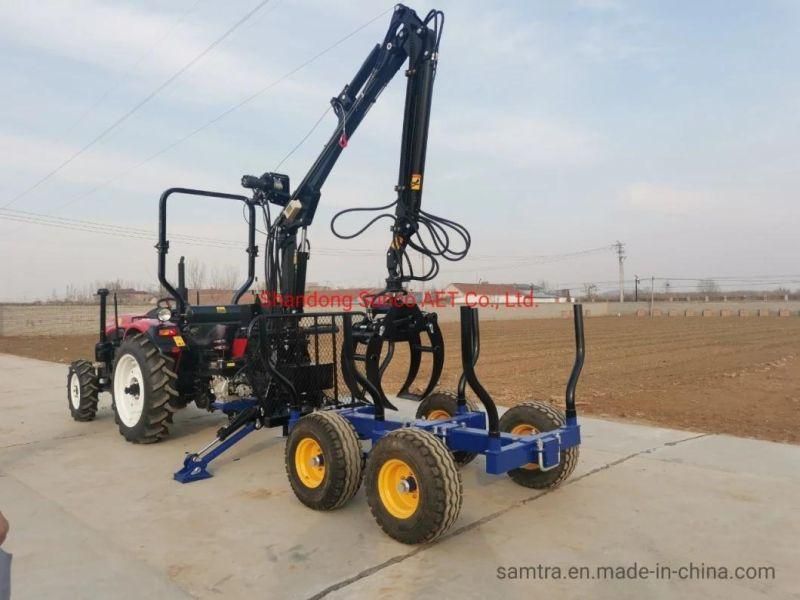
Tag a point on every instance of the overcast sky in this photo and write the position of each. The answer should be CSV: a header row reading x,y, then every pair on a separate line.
x,y
556,127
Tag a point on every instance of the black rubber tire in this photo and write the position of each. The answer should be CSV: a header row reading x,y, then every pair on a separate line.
x,y
181,400
86,377
437,479
342,456
159,389
542,417
447,402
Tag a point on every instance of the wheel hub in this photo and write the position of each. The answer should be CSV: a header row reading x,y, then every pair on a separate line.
x,y
129,391
407,485
397,487
133,389
309,462
75,391
525,429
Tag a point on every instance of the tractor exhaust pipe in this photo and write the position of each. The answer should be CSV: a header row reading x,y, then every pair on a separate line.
x,y
103,293
116,318
182,280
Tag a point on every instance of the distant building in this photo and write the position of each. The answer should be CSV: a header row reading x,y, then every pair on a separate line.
x,y
499,293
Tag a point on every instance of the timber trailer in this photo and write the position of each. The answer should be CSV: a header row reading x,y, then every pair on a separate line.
x,y
317,375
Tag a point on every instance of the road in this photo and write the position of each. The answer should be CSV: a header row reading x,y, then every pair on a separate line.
x,y
95,517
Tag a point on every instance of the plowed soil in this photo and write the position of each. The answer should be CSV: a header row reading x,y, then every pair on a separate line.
x,y
734,375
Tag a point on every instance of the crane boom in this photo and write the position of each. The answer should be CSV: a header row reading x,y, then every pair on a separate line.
x,y
410,39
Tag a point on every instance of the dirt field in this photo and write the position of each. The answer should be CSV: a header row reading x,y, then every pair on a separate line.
x,y
732,375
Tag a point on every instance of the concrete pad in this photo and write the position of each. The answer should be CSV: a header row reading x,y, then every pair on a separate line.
x,y
93,516
736,455
57,554
583,525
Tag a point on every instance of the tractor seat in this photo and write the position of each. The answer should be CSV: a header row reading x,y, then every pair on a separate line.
x,y
229,313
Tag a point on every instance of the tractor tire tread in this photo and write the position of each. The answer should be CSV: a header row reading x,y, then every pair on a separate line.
x,y
90,390
162,381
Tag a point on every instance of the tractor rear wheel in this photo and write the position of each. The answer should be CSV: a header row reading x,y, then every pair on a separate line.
x,y
530,418
82,390
413,486
142,386
324,460
443,405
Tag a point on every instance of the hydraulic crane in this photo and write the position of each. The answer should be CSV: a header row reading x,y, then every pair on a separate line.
x,y
415,41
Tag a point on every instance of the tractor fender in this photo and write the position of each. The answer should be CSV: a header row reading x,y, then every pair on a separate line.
x,y
130,326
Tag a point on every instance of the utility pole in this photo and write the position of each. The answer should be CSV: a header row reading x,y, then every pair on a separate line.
x,y
636,288
652,288
621,255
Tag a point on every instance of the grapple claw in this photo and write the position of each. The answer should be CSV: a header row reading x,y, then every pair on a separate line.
x,y
406,323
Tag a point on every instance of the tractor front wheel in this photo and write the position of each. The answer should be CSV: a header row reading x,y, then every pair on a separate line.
x,y
142,386
530,418
82,390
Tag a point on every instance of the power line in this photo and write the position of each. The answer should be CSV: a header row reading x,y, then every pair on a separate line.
x,y
521,261
223,114
146,234
302,141
115,85
139,104
535,257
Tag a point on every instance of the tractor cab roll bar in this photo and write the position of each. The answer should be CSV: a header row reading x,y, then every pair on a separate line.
x,y
163,242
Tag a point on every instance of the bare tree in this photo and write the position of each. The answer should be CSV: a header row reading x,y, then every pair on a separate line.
x,y
589,290
707,286
224,278
197,275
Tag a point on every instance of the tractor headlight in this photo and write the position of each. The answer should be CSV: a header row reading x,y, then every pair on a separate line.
x,y
164,314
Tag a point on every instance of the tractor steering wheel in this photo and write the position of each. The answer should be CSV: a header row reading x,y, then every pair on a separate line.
x,y
168,302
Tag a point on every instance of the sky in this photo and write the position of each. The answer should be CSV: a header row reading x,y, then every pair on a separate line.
x,y
556,127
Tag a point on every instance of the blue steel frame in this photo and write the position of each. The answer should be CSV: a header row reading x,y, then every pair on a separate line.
x,y
467,431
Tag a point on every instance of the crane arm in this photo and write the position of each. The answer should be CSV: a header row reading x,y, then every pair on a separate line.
x,y
408,38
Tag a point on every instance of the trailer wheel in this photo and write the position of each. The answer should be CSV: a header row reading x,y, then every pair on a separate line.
x,y
413,486
443,405
142,386
82,390
533,417
323,460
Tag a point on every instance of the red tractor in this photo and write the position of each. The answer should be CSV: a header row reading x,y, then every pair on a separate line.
x,y
156,363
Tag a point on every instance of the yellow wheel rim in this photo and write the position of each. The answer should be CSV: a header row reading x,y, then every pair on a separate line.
x,y
525,429
309,462
438,414
398,488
